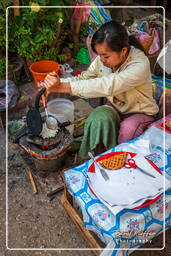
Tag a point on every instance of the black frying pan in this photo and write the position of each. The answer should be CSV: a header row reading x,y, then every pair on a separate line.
x,y
34,120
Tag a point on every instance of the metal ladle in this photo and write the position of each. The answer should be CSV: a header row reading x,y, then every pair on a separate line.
x,y
51,121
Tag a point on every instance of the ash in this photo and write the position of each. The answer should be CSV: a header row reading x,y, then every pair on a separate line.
x,y
48,133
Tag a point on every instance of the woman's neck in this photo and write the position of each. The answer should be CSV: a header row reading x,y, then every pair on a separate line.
x,y
124,59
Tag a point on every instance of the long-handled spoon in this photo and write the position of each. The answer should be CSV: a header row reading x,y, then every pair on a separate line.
x,y
103,172
51,122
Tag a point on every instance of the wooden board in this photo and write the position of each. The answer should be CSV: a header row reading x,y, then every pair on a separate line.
x,y
92,242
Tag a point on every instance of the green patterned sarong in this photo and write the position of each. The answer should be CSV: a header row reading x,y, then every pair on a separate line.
x,y
102,125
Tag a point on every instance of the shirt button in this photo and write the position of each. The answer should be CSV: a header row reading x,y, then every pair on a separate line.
x,y
100,70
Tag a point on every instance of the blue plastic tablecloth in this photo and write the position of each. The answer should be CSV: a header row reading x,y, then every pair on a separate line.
x,y
130,228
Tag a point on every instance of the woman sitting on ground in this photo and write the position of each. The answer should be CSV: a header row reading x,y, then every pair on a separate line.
x,y
121,73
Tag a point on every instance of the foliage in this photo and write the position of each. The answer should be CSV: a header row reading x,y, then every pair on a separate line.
x,y
14,126
84,31
3,5
33,34
41,33
2,67
38,33
94,26
2,34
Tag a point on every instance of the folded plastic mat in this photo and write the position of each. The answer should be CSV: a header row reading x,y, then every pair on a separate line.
x,y
13,94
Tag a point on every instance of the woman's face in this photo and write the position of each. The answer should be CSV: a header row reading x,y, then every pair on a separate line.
x,y
110,58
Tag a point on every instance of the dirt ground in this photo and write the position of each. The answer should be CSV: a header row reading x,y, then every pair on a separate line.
x,y
37,221
34,220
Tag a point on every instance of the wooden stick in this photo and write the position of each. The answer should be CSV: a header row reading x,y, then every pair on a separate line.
x,y
79,125
44,101
62,174
16,9
32,182
75,158
53,192
79,119
1,123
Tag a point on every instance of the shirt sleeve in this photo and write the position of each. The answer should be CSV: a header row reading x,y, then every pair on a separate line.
x,y
113,84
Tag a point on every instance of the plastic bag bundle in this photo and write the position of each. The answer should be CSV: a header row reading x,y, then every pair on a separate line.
x,y
8,94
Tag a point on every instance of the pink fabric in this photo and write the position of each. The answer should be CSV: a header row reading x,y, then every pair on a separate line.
x,y
85,14
132,126
142,36
93,55
155,46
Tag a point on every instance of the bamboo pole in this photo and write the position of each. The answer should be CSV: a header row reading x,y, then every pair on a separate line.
x,y
16,9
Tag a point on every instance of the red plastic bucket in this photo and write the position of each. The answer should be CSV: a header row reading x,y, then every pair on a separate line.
x,y
40,69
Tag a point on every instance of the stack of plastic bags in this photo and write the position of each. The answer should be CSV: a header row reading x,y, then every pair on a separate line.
x,y
128,188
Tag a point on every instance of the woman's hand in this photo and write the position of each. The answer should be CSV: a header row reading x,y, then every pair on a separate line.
x,y
53,84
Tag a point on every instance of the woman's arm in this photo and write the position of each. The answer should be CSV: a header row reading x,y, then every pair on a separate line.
x,y
113,84
53,84
109,85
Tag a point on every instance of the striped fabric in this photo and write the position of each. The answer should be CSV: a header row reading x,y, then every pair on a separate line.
x,y
93,13
98,15
160,85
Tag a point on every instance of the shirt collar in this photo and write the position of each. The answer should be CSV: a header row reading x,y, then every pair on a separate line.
x,y
127,59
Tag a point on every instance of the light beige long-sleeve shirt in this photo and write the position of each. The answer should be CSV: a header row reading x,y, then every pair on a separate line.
x,y
129,88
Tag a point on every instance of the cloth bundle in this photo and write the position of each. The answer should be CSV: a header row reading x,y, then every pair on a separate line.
x,y
13,94
147,30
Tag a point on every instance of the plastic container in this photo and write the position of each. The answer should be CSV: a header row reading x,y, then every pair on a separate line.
x,y
65,70
40,69
63,110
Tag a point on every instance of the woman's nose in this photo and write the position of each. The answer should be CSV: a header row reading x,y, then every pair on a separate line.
x,y
102,59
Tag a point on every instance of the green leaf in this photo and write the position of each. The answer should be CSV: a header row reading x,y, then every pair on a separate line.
x,y
2,67
55,2
59,15
71,45
46,29
38,38
40,2
25,44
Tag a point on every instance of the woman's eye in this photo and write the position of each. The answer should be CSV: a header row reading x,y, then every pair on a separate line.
x,y
106,57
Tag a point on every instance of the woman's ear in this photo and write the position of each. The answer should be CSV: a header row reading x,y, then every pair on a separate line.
x,y
124,51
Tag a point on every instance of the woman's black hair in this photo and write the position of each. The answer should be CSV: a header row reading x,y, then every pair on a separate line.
x,y
115,36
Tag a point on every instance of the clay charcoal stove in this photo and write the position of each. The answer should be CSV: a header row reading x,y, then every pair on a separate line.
x,y
47,147
48,153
